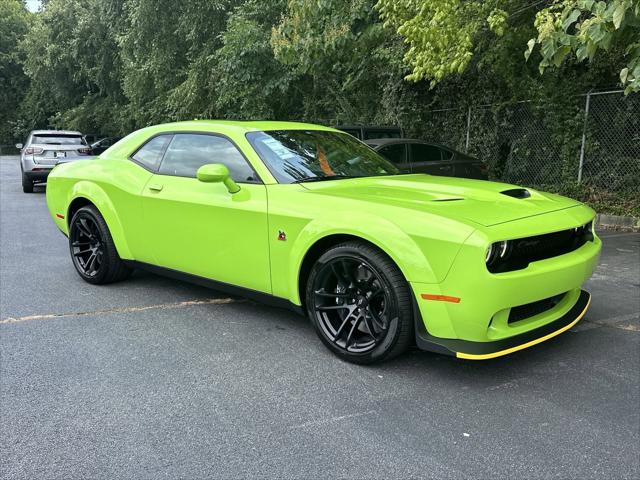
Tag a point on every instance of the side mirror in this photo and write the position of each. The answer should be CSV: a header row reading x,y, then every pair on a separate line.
x,y
215,173
19,146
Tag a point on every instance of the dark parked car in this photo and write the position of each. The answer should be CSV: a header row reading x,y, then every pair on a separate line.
x,y
367,132
418,156
101,145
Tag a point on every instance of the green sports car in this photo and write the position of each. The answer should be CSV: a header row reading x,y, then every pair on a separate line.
x,y
309,217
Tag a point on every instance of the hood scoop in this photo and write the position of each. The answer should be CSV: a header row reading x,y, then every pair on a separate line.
x,y
452,199
517,193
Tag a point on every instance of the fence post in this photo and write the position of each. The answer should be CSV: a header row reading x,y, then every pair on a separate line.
x,y
466,145
584,136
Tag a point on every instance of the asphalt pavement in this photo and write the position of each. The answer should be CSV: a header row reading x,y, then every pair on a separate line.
x,y
154,378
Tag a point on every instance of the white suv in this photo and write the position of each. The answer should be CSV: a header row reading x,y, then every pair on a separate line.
x,y
44,149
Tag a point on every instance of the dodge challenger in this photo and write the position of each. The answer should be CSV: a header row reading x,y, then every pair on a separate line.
x,y
308,217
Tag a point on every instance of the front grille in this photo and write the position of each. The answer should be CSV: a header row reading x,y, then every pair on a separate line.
x,y
532,309
522,251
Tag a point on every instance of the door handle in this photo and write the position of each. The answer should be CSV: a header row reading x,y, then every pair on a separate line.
x,y
156,187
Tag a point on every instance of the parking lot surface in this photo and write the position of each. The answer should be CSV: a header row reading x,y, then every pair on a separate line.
x,y
154,378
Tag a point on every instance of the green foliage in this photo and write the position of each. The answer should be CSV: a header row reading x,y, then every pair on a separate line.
x,y
14,22
441,34
111,66
343,55
584,27
250,82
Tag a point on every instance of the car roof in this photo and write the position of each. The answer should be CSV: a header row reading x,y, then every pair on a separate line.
x,y
55,132
240,125
370,127
378,142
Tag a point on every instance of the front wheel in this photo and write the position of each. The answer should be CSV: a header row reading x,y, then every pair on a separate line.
x,y
360,303
92,249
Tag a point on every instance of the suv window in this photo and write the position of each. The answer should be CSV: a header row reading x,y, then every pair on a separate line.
x,y
150,154
57,139
421,152
187,152
394,153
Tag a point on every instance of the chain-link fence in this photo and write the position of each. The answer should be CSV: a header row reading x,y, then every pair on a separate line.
x,y
592,138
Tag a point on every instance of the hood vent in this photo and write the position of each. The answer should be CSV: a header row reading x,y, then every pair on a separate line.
x,y
454,199
517,193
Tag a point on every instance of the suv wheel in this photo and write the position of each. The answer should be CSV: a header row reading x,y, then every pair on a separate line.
x,y
27,185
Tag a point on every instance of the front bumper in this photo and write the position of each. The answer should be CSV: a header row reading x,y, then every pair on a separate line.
x,y
485,350
481,323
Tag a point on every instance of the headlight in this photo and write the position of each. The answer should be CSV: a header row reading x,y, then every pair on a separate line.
x,y
497,250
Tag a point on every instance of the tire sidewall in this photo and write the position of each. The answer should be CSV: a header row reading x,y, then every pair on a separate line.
x,y
381,350
90,212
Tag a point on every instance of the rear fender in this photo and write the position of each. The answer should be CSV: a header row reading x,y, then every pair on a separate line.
x,y
96,195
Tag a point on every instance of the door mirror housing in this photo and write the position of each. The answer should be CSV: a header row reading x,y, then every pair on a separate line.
x,y
215,173
19,146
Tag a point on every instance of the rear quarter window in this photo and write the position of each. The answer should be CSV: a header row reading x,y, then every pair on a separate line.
x,y
150,154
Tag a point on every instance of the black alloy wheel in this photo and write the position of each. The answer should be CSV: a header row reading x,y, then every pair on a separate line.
x,y
360,303
92,249
87,247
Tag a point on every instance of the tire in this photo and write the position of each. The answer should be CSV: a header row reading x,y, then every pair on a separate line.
x,y
365,316
93,252
27,185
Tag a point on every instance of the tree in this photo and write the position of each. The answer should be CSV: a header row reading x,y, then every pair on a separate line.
x,y
342,53
442,34
584,27
14,23
250,82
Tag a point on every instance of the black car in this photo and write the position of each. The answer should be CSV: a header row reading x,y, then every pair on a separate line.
x,y
366,132
101,145
418,156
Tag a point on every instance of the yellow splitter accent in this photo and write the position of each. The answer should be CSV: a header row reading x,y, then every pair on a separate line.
x,y
486,356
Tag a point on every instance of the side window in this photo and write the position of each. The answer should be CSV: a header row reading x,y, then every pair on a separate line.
x,y
421,152
446,154
394,153
188,152
151,152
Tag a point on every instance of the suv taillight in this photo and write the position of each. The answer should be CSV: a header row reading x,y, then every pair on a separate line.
x,y
33,150
84,151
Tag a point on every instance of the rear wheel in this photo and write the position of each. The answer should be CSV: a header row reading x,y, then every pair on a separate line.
x,y
27,184
92,249
360,303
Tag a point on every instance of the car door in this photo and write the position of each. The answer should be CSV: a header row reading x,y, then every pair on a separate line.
x,y
200,228
396,153
427,158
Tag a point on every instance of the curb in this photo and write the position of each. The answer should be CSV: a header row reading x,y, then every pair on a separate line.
x,y
617,222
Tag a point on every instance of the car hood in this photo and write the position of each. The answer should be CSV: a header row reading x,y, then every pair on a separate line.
x,y
481,202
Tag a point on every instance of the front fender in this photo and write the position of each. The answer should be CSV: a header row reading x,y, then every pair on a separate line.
x,y
96,195
387,236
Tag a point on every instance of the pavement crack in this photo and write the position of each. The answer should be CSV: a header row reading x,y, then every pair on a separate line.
x,y
620,322
161,306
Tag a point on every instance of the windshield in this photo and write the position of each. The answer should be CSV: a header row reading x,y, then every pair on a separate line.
x,y
57,139
313,155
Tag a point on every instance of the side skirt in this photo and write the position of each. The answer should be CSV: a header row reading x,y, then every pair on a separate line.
x,y
255,295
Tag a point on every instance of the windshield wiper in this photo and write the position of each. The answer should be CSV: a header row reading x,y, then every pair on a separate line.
x,y
322,179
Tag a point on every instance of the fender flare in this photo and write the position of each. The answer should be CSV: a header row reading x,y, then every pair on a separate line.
x,y
98,197
382,233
